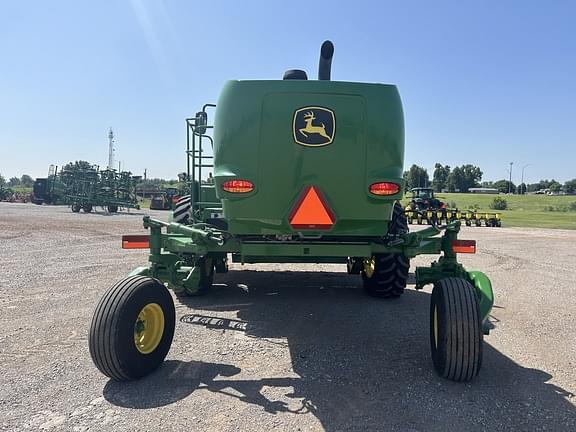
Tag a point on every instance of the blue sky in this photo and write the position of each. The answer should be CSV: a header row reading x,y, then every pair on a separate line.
x,y
482,82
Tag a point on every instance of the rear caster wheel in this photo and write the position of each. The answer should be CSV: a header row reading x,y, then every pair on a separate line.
x,y
112,209
456,336
76,207
132,328
87,208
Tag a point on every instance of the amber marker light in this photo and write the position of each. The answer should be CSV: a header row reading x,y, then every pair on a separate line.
x,y
135,241
464,246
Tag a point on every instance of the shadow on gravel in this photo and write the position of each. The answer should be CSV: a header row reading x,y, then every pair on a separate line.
x,y
363,363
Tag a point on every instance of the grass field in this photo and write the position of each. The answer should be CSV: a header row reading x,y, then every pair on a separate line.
x,y
523,210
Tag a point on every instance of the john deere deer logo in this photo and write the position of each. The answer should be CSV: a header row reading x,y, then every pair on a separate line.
x,y
314,126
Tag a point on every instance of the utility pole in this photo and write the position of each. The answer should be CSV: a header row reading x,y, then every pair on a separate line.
x,y
110,150
523,168
510,181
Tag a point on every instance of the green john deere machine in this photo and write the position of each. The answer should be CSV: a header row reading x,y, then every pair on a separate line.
x,y
305,171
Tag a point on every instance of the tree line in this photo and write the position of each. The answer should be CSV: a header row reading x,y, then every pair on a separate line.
x,y
444,178
464,177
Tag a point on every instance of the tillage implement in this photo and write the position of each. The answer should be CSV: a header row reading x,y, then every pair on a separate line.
x,y
304,171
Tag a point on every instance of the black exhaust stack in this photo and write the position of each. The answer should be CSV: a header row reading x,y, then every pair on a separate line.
x,y
325,65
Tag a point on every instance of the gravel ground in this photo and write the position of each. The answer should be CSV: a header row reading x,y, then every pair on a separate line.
x,y
295,349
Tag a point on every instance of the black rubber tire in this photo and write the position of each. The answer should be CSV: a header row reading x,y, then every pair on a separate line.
x,y
399,223
390,270
457,352
87,208
112,209
76,208
111,339
181,213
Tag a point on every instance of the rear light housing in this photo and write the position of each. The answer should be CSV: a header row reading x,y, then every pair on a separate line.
x,y
384,188
238,186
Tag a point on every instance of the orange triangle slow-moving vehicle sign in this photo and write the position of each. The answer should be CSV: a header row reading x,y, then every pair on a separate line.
x,y
311,211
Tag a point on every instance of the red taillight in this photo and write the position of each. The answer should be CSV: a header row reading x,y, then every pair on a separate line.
x,y
384,188
238,186
464,246
135,242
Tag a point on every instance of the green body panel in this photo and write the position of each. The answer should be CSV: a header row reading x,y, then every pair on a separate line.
x,y
254,140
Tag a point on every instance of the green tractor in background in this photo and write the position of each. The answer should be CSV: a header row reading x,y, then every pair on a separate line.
x,y
424,199
304,171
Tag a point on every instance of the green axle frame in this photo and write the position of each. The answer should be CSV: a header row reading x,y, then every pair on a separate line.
x,y
174,252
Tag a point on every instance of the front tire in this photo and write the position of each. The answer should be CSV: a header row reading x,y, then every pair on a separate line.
x,y
456,337
132,328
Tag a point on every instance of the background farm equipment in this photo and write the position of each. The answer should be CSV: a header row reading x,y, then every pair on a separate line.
x,y
424,199
426,208
444,216
277,196
86,188
165,200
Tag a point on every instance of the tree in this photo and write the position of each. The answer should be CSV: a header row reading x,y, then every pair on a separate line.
x,y
522,189
570,186
455,182
440,177
502,186
78,165
14,181
463,178
416,176
2,181
26,181
555,186
541,185
471,177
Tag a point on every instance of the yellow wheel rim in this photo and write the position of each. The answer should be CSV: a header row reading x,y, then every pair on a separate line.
x,y
369,266
435,327
149,328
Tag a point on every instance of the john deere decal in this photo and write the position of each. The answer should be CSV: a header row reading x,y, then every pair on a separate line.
x,y
314,126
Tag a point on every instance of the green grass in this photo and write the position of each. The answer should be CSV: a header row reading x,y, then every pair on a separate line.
x,y
523,210
22,189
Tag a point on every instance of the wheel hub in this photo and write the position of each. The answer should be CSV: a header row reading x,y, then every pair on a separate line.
x,y
149,328
369,266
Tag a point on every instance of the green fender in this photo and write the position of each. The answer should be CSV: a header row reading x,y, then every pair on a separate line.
x,y
140,271
485,295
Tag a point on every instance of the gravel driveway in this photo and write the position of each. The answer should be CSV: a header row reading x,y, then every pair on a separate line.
x,y
284,347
